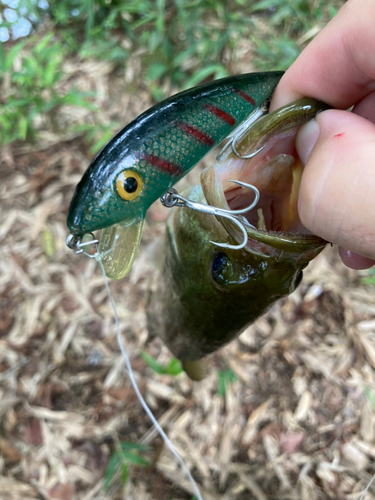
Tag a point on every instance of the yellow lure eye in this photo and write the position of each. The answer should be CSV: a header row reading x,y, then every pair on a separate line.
x,y
129,184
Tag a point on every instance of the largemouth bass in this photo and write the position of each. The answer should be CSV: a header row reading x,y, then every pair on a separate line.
x,y
205,296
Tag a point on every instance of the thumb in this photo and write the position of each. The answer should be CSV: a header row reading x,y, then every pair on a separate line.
x,y
337,193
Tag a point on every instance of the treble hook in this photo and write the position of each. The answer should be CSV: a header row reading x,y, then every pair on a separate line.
x,y
262,130
241,130
172,199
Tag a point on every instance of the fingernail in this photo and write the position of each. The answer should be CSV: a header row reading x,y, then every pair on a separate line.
x,y
355,261
306,139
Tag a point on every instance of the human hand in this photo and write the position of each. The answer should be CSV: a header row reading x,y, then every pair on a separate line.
x,y
337,193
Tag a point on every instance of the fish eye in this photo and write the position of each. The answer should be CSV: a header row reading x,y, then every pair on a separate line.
x,y
129,184
219,262
221,268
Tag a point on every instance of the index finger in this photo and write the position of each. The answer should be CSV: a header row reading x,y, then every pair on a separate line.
x,y
338,66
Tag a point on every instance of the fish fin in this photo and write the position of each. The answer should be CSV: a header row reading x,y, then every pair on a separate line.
x,y
196,370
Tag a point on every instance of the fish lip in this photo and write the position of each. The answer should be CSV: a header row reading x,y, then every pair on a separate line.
x,y
287,237
285,241
260,241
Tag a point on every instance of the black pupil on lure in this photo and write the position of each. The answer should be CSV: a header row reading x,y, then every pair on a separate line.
x,y
219,262
130,184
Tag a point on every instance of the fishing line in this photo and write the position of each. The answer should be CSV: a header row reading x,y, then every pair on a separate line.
x,y
367,487
98,258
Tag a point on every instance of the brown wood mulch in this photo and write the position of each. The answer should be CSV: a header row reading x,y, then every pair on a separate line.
x,y
298,423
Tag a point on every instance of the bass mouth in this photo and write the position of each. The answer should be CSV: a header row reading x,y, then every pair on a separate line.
x,y
274,224
277,176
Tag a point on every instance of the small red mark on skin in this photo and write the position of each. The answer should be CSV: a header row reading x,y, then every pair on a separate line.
x,y
245,96
196,133
164,165
220,113
339,135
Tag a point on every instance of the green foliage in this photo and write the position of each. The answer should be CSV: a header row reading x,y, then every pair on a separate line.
x,y
175,38
370,278
29,75
289,20
173,368
295,15
127,454
96,134
181,42
225,378
48,243
277,53
370,396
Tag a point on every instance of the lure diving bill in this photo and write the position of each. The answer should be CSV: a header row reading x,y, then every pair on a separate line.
x,y
204,295
144,159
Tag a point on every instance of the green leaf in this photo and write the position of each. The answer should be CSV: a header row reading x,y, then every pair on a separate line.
x,y
122,458
225,378
182,56
39,48
48,243
125,445
156,70
161,12
143,20
216,70
104,138
12,54
370,396
156,92
124,473
22,127
332,11
152,363
111,470
264,5
79,99
51,74
134,458
156,39
173,368
368,280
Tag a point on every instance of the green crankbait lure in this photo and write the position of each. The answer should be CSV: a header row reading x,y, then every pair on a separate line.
x,y
151,154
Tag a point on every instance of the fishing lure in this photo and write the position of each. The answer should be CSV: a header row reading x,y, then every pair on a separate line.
x,y
151,154
204,296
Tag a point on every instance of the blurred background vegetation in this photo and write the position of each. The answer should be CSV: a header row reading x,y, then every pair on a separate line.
x,y
167,45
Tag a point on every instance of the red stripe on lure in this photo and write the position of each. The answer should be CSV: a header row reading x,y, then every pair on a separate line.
x,y
148,156
220,113
196,133
161,164
97,202
245,96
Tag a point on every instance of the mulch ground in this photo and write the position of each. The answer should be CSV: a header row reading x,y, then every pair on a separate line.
x,y
297,423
